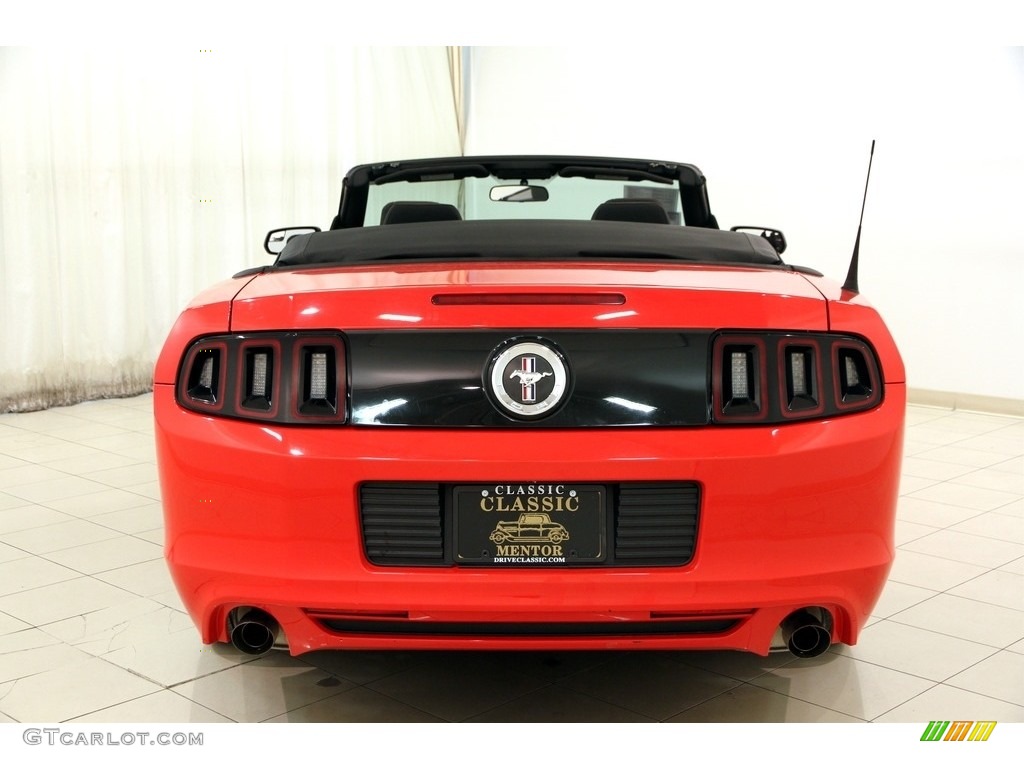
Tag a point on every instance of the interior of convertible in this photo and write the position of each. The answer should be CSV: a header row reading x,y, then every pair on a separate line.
x,y
477,199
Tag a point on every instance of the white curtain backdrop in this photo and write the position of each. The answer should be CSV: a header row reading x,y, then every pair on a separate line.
x,y
131,179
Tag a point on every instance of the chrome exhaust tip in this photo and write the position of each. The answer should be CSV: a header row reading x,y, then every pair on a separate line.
x,y
252,631
805,635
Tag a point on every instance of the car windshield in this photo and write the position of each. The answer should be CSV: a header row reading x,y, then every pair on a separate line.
x,y
490,198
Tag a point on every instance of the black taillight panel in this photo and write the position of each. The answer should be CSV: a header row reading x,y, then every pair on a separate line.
x,y
783,377
296,378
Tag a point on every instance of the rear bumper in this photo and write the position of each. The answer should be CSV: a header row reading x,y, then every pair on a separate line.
x,y
791,516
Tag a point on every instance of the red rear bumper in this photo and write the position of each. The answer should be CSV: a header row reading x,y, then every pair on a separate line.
x,y
791,516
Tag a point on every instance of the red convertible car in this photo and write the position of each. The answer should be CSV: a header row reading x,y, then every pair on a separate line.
x,y
710,437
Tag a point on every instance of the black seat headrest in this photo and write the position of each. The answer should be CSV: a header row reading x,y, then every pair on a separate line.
x,y
631,209
412,212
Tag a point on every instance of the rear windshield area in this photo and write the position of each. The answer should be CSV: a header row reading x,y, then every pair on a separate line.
x,y
491,199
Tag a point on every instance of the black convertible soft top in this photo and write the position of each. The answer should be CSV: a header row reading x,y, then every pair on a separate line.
x,y
526,240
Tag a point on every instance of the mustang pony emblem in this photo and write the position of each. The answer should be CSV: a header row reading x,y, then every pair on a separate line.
x,y
528,377
542,374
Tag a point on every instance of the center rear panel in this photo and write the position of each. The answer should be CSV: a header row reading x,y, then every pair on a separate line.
x,y
615,378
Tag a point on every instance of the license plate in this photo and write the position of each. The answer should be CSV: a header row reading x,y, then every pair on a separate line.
x,y
530,524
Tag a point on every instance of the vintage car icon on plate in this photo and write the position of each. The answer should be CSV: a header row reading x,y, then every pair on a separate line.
x,y
532,527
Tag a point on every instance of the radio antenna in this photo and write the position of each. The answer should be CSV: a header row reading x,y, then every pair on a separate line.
x,y
851,275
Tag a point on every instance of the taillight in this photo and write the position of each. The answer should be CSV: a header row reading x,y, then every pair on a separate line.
x,y
857,380
781,377
741,387
204,384
297,378
258,381
800,377
319,367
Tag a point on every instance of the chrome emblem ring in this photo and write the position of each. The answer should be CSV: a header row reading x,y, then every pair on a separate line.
x,y
528,379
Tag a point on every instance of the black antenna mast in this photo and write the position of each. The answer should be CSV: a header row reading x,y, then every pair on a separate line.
x,y
851,276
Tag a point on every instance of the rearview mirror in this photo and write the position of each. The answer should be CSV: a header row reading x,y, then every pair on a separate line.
x,y
773,236
277,239
518,193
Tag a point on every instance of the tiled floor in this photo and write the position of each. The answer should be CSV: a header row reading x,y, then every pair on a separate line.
x,y
91,629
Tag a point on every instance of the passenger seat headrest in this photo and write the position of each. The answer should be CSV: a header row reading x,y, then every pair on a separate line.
x,y
410,212
631,209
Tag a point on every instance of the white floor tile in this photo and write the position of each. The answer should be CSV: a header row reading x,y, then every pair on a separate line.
x,y
107,555
907,532
10,502
65,487
123,624
970,457
261,689
735,664
996,588
1017,566
995,526
52,538
8,553
71,690
159,707
9,624
991,625
909,484
853,687
176,658
17,576
1000,676
29,516
145,579
915,651
93,461
750,704
656,686
948,703
150,490
981,499
58,451
1000,442
933,470
931,572
897,597
121,477
6,461
101,502
63,600
358,705
155,536
30,474
967,548
931,513
31,652
135,520
994,479
1013,509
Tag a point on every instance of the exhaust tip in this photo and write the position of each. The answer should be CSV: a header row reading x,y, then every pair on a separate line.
x,y
253,631
805,635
